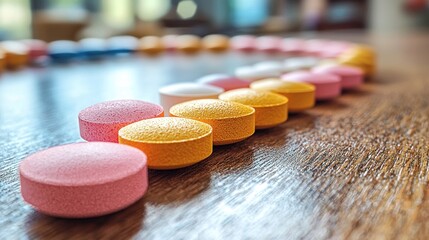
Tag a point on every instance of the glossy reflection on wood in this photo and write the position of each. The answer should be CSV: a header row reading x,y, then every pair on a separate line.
x,y
355,167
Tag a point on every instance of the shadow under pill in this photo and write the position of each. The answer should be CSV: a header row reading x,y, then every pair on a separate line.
x,y
332,105
124,224
179,185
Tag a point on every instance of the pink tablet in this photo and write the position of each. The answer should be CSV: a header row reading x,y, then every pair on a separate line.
x,y
243,42
269,44
328,86
36,48
224,81
351,77
293,46
84,179
169,42
102,121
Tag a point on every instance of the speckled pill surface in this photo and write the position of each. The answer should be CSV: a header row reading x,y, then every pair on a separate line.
x,y
351,77
328,86
168,142
301,95
270,109
83,179
102,121
224,81
216,42
231,122
182,92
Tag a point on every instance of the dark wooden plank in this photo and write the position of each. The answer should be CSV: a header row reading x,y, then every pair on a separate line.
x,y
356,167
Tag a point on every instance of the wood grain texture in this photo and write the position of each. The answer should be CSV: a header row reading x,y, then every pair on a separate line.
x,y
353,168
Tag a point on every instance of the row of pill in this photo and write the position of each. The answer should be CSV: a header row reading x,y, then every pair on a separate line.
x,y
101,176
15,54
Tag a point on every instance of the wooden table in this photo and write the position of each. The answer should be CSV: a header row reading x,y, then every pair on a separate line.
x,y
353,168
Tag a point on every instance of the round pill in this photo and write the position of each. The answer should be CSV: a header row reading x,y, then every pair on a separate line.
x,y
84,179
2,60
63,50
314,47
16,54
122,44
351,77
251,73
37,49
102,121
224,81
181,92
216,42
301,95
243,43
231,122
269,43
169,42
359,56
292,46
169,142
270,66
151,45
328,86
92,48
188,43
270,108
300,63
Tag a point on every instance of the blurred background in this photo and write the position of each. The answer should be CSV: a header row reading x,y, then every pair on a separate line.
x,y
51,20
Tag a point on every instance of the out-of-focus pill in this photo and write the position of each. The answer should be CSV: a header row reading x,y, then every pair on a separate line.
x,y
269,44
92,48
37,49
169,142
293,46
102,121
301,95
2,60
181,92
151,45
231,122
216,42
169,42
250,73
328,86
243,43
122,44
83,180
188,43
224,81
270,66
63,50
300,63
351,77
314,47
270,108
16,54
359,56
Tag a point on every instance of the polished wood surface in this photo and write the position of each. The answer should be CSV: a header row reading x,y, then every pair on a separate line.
x,y
353,168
